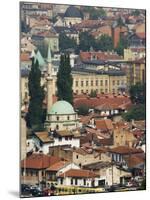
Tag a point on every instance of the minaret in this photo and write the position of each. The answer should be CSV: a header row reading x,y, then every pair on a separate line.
x,y
49,81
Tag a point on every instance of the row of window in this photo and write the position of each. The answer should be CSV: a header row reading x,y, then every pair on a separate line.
x,y
91,83
102,83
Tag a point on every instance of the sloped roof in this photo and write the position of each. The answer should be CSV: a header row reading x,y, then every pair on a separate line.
x,y
135,161
57,166
44,137
105,124
79,173
125,150
39,161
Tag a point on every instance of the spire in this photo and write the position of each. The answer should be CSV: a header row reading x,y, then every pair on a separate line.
x,y
49,57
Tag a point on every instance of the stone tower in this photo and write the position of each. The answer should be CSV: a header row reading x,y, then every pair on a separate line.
x,y
49,81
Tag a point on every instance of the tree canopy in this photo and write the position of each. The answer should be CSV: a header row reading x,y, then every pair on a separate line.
x,y
66,42
36,94
64,80
137,93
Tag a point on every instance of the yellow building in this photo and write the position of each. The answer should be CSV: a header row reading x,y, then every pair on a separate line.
x,y
85,82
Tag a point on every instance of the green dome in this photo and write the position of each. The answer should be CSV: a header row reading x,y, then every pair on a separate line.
x,y
61,107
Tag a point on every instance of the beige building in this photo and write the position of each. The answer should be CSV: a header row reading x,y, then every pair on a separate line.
x,y
81,157
123,137
85,83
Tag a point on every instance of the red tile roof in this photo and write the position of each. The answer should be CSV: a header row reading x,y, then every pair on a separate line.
x,y
105,124
57,166
125,150
79,173
94,102
99,56
39,161
134,160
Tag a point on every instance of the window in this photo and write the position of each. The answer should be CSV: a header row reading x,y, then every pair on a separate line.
x,y
66,138
77,156
87,83
60,139
61,181
57,118
96,83
84,181
68,118
101,82
91,83
118,82
72,181
76,181
82,83
106,82
57,127
82,91
76,83
113,83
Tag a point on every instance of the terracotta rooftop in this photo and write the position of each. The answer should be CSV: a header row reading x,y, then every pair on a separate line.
x,y
105,124
57,166
99,56
125,150
39,161
79,173
97,101
134,161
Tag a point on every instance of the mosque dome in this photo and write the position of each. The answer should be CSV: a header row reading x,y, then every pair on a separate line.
x,y
61,107
74,12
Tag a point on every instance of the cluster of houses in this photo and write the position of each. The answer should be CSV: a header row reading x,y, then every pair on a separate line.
x,y
99,149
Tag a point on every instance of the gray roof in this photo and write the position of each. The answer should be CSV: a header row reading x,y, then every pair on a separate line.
x,y
72,11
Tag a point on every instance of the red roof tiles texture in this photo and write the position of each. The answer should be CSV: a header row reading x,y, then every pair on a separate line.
x,y
79,173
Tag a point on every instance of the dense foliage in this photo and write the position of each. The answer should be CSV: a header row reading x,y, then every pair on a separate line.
x,y
83,110
64,80
36,93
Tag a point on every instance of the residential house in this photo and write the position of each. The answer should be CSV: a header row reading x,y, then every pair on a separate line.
x,y
109,173
78,177
33,168
123,136
44,140
118,153
82,156
58,168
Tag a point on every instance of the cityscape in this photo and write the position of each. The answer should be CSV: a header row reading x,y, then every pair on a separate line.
x,y
83,99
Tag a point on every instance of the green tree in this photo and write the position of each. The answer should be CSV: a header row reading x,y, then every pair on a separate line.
x,y
66,42
138,93
97,13
123,44
83,110
104,43
120,22
64,80
93,93
86,41
36,93
136,13
137,112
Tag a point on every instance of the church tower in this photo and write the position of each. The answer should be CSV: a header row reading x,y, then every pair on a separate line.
x,y
49,81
